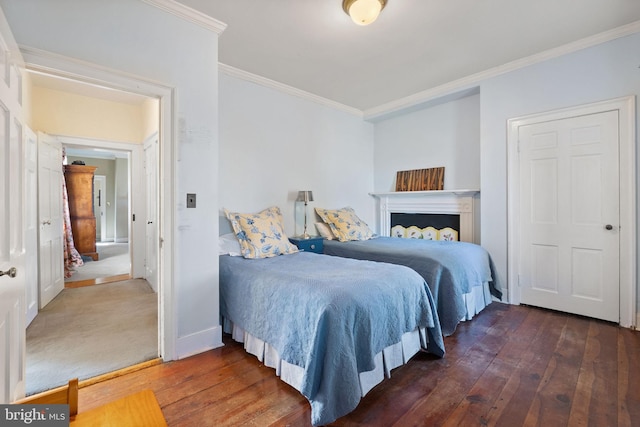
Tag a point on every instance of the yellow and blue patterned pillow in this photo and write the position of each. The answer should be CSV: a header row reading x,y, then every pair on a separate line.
x,y
345,224
261,235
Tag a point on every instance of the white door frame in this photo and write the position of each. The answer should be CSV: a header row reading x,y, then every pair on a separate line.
x,y
627,153
54,64
102,217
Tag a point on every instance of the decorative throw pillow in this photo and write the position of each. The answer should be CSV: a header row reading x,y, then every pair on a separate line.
x,y
261,235
345,224
325,231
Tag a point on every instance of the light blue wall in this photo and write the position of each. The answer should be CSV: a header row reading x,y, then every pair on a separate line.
x,y
607,71
272,145
444,135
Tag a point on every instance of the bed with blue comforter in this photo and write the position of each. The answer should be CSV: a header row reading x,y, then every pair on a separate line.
x,y
330,318
451,269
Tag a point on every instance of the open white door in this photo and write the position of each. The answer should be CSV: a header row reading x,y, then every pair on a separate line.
x,y
50,217
151,249
12,210
31,222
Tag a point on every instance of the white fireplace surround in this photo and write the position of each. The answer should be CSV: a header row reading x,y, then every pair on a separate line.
x,y
452,202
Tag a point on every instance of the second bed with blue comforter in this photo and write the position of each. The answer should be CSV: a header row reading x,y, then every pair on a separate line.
x,y
451,269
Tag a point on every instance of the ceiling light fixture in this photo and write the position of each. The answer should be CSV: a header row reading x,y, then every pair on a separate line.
x,y
363,12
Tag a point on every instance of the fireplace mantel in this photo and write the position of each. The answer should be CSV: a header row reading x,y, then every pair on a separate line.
x,y
455,202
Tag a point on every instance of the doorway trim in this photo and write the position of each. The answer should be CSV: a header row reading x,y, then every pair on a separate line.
x,y
102,179
70,68
627,160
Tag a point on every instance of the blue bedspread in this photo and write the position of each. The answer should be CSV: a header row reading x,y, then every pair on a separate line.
x,y
451,269
328,315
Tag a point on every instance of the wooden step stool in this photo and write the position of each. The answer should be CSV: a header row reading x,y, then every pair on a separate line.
x,y
137,410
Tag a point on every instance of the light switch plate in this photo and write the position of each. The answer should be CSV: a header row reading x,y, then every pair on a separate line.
x,y
191,200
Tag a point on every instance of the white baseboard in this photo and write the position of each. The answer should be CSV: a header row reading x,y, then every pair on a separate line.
x,y
199,342
122,240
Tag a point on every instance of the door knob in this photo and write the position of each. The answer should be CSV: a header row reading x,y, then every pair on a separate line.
x,y
609,227
47,222
10,272
149,222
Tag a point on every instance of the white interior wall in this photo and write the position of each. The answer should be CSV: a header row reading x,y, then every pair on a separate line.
x,y
58,112
138,39
272,145
443,135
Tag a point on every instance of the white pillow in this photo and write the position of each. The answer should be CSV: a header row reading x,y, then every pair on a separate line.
x,y
325,231
229,245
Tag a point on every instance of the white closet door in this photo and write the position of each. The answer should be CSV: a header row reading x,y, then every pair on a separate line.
x,y
570,215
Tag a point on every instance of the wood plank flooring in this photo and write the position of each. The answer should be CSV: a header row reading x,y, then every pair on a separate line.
x,y
510,366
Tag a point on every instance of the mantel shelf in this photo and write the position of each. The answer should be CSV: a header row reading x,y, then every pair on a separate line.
x,y
464,192
463,202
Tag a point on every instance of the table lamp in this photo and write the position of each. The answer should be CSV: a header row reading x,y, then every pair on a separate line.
x,y
306,197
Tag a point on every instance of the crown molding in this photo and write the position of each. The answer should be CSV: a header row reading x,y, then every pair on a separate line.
x,y
42,61
189,14
290,90
379,112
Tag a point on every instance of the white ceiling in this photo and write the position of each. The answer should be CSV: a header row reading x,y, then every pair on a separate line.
x,y
414,46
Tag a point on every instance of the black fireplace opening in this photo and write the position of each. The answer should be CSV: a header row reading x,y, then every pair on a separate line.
x,y
423,220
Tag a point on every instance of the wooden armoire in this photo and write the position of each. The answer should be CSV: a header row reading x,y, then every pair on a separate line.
x,y
79,180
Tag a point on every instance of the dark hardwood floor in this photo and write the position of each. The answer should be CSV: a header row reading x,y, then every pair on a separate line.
x,y
510,366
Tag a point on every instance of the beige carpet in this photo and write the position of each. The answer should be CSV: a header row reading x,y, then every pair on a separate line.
x,y
113,260
90,331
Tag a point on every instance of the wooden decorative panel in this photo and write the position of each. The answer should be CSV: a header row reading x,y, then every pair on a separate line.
x,y
420,179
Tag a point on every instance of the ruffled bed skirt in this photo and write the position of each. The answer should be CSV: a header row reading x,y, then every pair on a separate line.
x,y
477,300
391,357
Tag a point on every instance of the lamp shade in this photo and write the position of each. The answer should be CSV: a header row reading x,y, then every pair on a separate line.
x,y
305,196
363,12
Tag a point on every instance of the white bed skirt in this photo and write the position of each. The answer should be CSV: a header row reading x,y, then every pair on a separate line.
x,y
477,300
388,359
391,357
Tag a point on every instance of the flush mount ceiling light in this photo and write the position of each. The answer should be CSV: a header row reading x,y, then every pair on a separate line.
x,y
363,12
